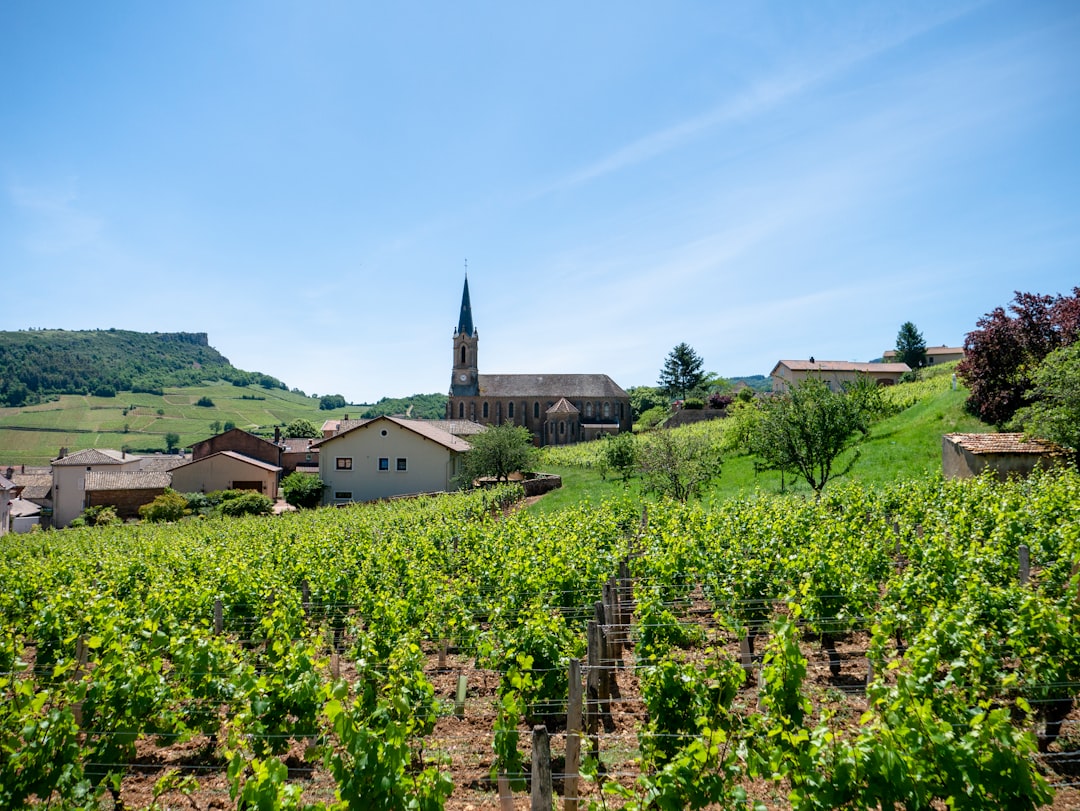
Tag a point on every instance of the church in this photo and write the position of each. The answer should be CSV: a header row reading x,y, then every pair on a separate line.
x,y
559,409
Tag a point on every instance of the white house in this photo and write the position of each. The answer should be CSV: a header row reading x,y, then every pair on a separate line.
x,y
388,456
69,479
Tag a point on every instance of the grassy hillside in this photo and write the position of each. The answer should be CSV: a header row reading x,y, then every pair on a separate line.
x,y
139,422
906,445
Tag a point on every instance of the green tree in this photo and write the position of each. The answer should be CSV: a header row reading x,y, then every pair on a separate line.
x,y
677,463
215,427
1054,412
228,426
642,398
498,452
682,371
804,431
302,490
302,428
204,402
172,439
910,346
620,453
328,402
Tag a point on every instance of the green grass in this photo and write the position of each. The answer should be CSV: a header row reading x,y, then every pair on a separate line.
x,y
904,446
77,422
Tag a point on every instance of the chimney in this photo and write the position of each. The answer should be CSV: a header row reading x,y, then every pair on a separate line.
x,y
63,452
10,472
277,434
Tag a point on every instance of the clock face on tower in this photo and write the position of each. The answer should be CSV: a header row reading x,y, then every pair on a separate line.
x,y
462,377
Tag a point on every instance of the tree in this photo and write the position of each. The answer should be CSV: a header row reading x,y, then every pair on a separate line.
x,y
215,426
204,402
498,452
328,402
677,463
1054,413
302,490
172,439
1001,356
642,398
620,453
806,429
910,346
302,429
228,426
682,371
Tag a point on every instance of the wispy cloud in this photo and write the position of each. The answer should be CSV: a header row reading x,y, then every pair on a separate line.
x,y
56,222
763,96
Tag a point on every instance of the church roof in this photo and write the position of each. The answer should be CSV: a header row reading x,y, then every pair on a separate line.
x,y
546,386
465,324
564,406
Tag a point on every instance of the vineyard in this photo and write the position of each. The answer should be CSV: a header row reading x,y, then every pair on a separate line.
x,y
915,646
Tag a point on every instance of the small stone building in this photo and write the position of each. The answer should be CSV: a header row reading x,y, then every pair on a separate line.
x,y
124,490
238,441
966,455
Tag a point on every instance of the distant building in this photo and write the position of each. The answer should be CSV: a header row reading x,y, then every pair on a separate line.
x,y
835,373
559,409
227,470
8,492
934,354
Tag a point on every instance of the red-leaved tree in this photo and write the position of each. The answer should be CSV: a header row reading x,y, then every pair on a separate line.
x,y
1001,356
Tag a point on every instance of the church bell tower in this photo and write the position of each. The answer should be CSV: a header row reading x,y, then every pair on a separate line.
x,y
465,381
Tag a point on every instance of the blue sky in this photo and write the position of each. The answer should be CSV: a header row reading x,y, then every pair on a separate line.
x,y
762,180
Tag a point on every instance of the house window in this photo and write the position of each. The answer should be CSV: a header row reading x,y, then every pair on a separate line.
x,y
343,495
343,463
485,410
402,464
384,463
510,410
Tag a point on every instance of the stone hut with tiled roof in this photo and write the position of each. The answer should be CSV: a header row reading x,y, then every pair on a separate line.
x,y
966,455
559,409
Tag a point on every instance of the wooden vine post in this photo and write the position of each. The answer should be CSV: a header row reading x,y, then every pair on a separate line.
x,y
573,738
541,769
1025,564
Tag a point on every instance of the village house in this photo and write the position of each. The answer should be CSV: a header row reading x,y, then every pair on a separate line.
x,y
388,456
935,355
227,470
8,492
835,373
558,409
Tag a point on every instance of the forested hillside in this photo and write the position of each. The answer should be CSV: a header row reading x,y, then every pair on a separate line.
x,y
37,364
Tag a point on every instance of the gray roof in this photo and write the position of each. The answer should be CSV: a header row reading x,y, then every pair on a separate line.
x,y
842,366
163,462
548,386
7,484
34,485
294,444
564,406
97,481
1005,443
458,427
21,508
95,456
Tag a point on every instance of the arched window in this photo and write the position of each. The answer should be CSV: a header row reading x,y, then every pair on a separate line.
x,y
461,410
607,410
485,410
562,427
510,410
463,354
588,409
536,410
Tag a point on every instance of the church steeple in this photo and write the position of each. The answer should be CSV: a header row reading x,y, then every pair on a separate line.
x,y
465,325
465,377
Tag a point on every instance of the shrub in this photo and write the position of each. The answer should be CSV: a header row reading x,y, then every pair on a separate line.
x,y
718,400
693,404
169,506
246,503
302,490
651,418
205,402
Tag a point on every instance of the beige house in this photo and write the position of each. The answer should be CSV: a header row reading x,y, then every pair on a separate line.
x,y
964,456
69,474
226,470
836,373
388,456
934,354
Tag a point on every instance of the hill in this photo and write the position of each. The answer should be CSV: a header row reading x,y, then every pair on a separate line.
x,y
37,365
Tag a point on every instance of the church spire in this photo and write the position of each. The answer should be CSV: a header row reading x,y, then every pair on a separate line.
x,y
465,324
